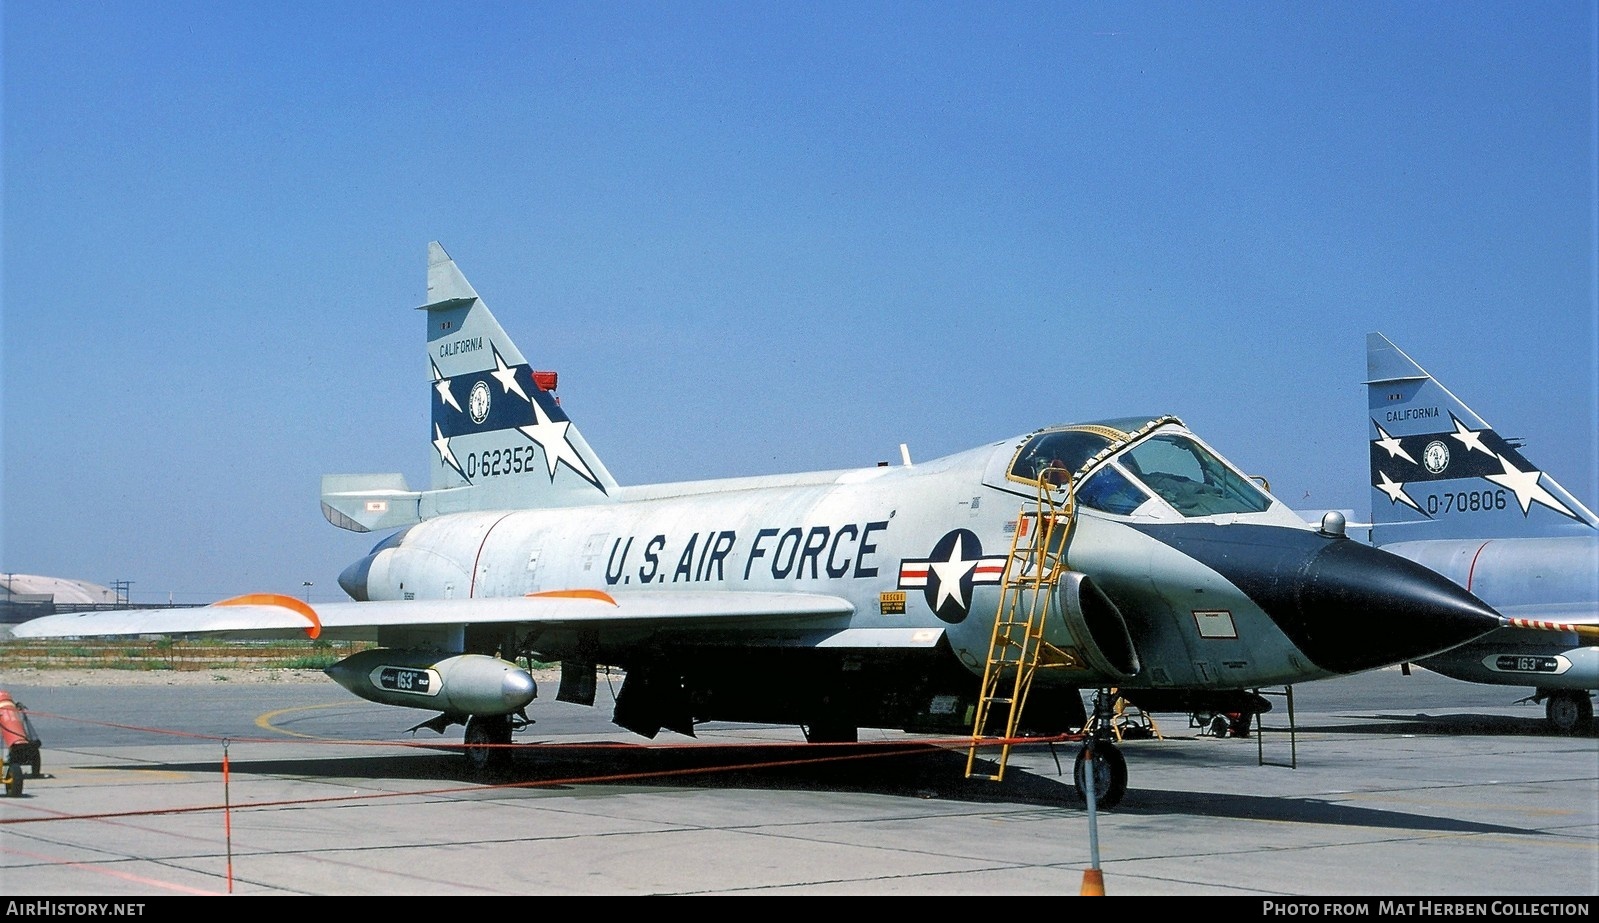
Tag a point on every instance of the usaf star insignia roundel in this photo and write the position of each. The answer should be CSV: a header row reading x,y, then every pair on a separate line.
x,y
947,576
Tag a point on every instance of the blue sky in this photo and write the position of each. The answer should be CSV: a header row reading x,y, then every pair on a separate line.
x,y
762,237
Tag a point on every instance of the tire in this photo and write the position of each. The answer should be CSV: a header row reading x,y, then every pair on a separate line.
x,y
13,780
1570,711
483,750
28,754
1110,775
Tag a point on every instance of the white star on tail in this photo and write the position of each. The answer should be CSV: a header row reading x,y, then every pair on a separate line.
x,y
1471,440
1526,486
1395,491
551,437
442,443
1389,443
949,576
442,385
507,376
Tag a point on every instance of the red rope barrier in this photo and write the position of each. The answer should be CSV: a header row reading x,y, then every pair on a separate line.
x,y
877,751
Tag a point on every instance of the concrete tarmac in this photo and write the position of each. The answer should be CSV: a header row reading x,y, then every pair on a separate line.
x,y
1388,786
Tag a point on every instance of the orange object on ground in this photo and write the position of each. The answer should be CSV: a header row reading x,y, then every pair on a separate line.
x,y
19,745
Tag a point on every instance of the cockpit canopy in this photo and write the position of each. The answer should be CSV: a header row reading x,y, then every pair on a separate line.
x,y
1118,466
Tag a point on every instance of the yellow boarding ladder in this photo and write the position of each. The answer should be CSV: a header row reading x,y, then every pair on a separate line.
x,y
1027,588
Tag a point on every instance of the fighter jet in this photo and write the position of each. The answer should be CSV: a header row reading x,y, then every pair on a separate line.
x,y
980,595
1451,493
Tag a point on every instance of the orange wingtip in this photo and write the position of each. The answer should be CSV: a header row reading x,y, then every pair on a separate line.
x,y
596,595
278,599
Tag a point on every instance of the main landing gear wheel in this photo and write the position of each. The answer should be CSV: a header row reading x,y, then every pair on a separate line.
x,y
1110,775
1570,711
486,736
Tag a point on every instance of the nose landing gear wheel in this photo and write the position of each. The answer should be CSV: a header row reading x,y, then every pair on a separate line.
x,y
1110,775
485,750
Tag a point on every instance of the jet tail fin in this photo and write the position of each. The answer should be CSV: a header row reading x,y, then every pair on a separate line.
x,y
497,427
1440,471
500,438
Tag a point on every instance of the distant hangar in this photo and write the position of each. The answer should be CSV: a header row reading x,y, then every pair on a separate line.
x,y
27,596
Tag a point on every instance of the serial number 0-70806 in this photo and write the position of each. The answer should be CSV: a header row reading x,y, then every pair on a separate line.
x,y
1465,501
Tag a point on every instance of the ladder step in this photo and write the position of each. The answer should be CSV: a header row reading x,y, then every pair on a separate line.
x,y
1031,573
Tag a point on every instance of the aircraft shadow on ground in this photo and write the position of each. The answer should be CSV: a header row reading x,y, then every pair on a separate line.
x,y
905,769
920,772
1297,810
1453,725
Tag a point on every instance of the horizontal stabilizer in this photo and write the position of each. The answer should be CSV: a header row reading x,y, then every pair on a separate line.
x,y
369,502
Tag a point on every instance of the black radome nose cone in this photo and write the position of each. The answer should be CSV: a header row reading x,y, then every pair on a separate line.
x,y
1347,606
1362,608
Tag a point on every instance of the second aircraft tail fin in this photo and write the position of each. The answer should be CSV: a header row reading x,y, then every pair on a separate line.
x,y
1440,471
